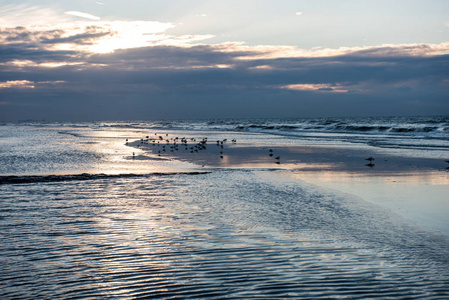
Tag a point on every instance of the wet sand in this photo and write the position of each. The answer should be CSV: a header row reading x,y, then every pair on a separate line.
x,y
232,234
261,152
195,225
415,188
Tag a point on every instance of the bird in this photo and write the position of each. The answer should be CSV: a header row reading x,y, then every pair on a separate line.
x,y
370,159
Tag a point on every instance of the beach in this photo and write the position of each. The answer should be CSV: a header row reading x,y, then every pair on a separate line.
x,y
224,150
413,187
216,216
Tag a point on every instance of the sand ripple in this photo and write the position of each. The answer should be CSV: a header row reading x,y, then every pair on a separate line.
x,y
206,236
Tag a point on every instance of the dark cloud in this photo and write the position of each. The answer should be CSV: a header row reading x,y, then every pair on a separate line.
x,y
81,39
24,35
212,81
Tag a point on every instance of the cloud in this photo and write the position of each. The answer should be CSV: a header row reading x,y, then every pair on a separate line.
x,y
146,45
386,50
27,84
317,87
90,70
17,84
24,15
83,15
98,37
104,36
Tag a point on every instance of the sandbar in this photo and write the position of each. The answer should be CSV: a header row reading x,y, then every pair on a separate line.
x,y
413,187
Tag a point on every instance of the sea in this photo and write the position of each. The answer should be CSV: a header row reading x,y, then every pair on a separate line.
x,y
83,215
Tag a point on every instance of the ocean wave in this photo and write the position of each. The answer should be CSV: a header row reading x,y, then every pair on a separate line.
x,y
418,130
389,126
17,179
414,129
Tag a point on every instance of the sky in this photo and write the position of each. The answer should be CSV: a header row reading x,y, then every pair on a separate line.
x,y
177,59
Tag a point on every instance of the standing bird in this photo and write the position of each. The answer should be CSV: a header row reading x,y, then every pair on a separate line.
x,y
370,159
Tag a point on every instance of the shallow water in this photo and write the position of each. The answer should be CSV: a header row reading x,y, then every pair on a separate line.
x,y
56,150
122,231
235,234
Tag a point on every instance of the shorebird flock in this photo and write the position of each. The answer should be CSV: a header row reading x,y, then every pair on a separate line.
x,y
165,144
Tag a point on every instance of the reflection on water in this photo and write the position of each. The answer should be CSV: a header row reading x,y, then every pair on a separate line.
x,y
54,150
420,197
235,234
228,233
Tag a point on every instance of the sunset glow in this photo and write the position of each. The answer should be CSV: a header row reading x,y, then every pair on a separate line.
x,y
147,51
210,149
